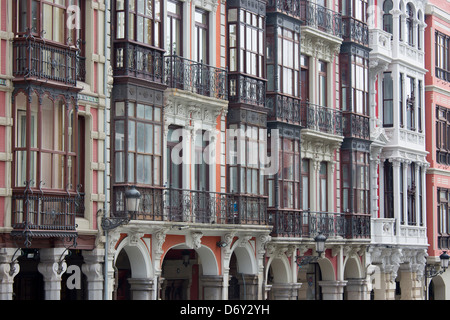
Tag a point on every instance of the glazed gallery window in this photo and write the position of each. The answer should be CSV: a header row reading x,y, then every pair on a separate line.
x,y
355,8
410,24
443,197
442,45
246,42
411,185
289,175
322,68
137,143
387,16
305,184
46,143
174,44
47,19
355,181
355,84
388,182
388,95
442,135
139,20
410,104
245,169
201,37
288,61
323,186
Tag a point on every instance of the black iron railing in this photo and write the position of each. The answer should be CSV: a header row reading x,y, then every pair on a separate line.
x,y
196,77
291,7
284,108
307,224
245,89
321,118
36,214
134,60
356,126
191,206
355,31
321,18
34,58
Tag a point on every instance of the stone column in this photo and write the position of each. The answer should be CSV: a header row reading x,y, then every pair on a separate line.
x,y
332,290
141,288
52,266
8,270
248,284
357,289
93,269
212,287
386,288
285,291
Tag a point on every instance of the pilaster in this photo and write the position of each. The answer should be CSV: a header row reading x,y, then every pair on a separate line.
x,y
8,270
93,269
52,266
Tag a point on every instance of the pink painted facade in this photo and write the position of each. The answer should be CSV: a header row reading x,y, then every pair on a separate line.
x,y
437,102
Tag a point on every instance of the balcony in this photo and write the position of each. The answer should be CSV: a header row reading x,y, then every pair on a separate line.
x,y
321,119
289,7
284,108
306,224
321,18
247,90
195,77
141,62
190,206
35,59
40,215
356,126
355,31
390,231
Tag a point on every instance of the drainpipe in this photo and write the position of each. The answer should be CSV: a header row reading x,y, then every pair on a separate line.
x,y
105,90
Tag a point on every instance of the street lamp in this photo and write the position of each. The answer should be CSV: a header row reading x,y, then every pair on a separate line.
x,y
431,272
320,248
132,201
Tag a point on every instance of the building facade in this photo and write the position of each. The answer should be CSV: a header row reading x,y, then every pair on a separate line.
x,y
243,128
54,111
399,241
436,101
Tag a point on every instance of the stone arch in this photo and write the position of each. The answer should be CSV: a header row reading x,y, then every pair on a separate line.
x,y
210,265
327,270
247,263
280,270
140,261
438,288
352,268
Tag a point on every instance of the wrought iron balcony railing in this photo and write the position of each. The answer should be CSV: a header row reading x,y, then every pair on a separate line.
x,y
291,7
134,60
36,59
321,18
356,126
190,206
321,118
40,215
247,90
196,77
355,31
284,108
306,224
